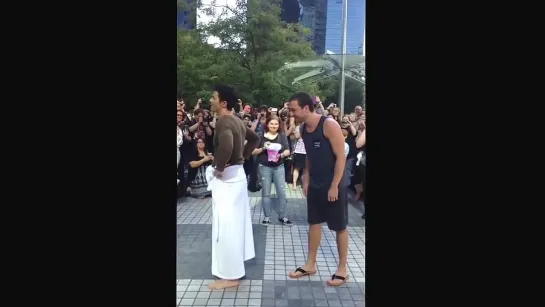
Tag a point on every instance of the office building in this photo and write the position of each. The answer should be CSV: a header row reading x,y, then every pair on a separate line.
x,y
185,20
311,14
291,11
186,17
355,29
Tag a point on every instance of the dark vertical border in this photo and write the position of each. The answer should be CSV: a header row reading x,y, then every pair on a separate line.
x,y
98,195
103,79
426,179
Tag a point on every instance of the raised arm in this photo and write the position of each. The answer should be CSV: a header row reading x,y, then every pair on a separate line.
x,y
360,140
254,124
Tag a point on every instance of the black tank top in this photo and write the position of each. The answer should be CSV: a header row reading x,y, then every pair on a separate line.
x,y
321,157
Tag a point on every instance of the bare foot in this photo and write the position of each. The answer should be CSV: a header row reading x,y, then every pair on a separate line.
x,y
307,271
294,187
223,284
341,276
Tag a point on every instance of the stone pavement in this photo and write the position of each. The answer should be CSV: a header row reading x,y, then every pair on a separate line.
x,y
279,249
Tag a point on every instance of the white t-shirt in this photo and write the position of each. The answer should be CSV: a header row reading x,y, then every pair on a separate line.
x,y
346,149
180,137
300,145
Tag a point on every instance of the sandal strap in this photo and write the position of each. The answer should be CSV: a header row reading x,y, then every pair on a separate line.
x,y
300,269
333,277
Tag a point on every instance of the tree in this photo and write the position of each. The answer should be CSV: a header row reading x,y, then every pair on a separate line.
x,y
257,43
252,43
195,65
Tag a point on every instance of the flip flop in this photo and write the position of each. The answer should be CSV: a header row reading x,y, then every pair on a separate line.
x,y
303,273
334,277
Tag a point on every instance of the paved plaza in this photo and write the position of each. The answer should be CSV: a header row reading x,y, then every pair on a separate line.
x,y
279,250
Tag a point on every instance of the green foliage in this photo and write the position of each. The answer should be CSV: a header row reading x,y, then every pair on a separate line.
x,y
253,44
195,65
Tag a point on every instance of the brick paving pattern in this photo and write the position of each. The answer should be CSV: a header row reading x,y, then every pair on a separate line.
x,y
279,249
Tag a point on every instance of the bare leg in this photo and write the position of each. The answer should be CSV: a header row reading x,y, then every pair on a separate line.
x,y
342,247
295,177
314,238
223,284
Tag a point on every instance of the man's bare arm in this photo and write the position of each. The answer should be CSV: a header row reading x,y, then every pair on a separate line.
x,y
332,132
224,150
252,141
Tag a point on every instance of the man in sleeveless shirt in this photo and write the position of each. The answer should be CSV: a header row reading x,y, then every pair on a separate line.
x,y
324,184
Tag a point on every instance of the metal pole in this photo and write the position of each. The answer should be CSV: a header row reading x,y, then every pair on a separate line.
x,y
343,54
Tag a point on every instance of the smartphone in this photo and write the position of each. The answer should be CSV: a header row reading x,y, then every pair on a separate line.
x,y
275,109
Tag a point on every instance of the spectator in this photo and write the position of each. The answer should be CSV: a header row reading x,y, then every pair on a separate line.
x,y
199,126
247,119
271,152
360,167
259,123
183,149
299,156
351,141
209,123
360,114
180,141
335,112
180,105
353,117
200,160
248,163
180,117
247,109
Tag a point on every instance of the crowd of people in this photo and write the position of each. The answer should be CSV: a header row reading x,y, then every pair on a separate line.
x,y
279,158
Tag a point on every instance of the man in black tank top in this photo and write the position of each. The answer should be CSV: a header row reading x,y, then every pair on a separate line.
x,y
323,184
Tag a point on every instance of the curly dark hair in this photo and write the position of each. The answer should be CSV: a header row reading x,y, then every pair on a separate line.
x,y
227,94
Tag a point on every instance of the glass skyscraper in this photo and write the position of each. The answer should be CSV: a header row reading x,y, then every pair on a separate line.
x,y
185,17
355,29
312,15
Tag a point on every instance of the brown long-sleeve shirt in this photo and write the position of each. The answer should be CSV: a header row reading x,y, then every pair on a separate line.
x,y
229,148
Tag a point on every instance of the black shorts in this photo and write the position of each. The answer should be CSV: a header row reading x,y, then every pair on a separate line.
x,y
321,210
299,160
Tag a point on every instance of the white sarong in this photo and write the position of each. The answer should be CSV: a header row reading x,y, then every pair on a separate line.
x,y
232,236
